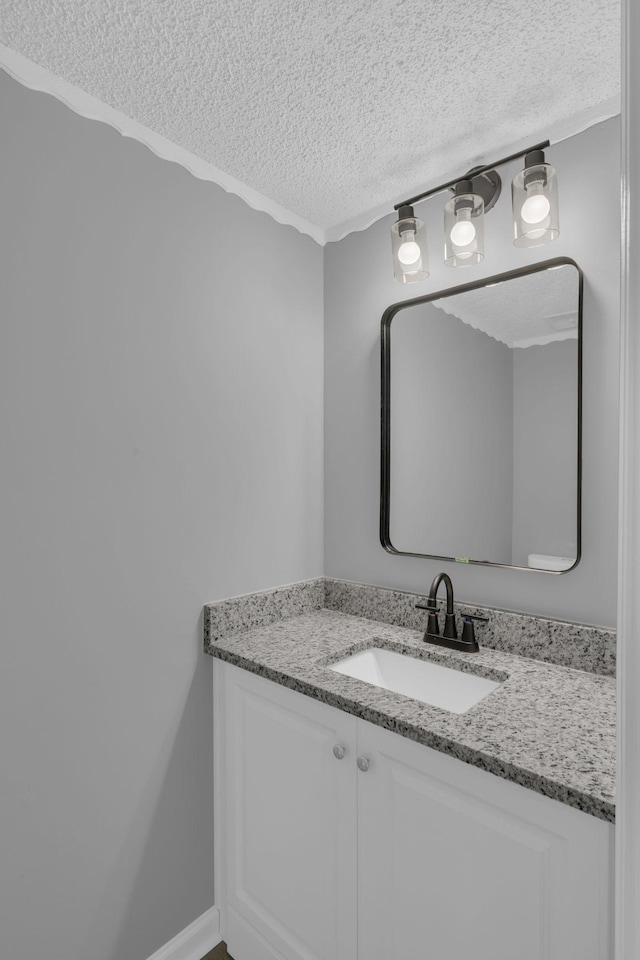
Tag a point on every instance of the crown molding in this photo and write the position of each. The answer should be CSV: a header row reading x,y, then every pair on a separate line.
x,y
35,77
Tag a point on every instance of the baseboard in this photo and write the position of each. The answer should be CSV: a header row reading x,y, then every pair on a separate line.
x,y
194,941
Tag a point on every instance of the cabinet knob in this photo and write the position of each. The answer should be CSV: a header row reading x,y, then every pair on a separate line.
x,y
338,751
363,764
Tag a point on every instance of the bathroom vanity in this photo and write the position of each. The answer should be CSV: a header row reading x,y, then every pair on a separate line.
x,y
355,822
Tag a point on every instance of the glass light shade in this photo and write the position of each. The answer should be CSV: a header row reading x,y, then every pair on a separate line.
x,y
464,230
534,193
409,245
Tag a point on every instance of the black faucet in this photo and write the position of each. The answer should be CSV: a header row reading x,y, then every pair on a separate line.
x,y
449,637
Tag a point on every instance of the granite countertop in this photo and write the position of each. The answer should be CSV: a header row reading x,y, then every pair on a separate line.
x,y
549,728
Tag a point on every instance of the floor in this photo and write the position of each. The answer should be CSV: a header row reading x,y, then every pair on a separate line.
x,y
218,953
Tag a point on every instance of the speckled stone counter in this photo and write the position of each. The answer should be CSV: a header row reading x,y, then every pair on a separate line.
x,y
549,728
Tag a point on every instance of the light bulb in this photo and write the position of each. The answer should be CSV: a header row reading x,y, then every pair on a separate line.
x,y
408,251
535,208
534,193
409,247
463,233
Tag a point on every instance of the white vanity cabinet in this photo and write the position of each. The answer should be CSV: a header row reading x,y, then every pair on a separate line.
x,y
289,824
455,863
393,852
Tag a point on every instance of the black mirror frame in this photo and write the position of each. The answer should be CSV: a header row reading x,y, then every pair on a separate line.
x,y
385,411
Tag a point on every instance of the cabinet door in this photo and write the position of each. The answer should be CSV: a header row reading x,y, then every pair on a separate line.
x,y
291,849
456,863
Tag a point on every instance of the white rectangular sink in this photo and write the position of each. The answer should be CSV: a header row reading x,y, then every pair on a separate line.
x,y
420,679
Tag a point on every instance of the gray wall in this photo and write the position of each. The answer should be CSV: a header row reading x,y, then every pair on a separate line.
x,y
162,444
545,407
161,438
451,419
358,287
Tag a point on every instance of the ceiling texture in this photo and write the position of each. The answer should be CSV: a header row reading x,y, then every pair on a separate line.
x,y
332,110
531,310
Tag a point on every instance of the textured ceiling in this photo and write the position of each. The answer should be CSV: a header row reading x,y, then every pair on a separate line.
x,y
525,311
333,109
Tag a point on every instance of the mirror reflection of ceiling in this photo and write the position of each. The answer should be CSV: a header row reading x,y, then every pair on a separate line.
x,y
526,311
334,110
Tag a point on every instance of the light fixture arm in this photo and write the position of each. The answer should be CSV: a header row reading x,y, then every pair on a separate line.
x,y
476,172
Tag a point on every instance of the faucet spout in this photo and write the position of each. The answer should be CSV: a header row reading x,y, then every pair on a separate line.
x,y
449,620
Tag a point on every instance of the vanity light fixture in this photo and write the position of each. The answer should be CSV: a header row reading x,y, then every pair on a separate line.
x,y
535,215
464,227
535,202
409,242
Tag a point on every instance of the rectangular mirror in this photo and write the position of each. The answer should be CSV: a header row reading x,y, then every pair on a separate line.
x,y
481,421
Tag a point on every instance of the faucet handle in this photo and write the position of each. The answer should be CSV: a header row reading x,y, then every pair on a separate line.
x,y
433,603
433,624
468,633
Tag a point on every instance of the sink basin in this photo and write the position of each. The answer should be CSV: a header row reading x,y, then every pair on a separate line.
x,y
420,679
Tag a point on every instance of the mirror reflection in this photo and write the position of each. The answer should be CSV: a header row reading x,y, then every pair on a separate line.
x,y
481,437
